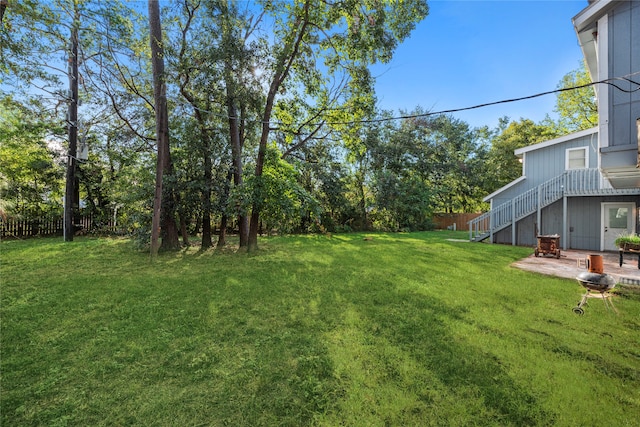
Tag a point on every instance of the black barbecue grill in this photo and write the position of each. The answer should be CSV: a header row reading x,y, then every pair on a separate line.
x,y
595,282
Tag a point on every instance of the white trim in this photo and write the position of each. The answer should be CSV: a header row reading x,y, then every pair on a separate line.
x,y
500,190
632,219
586,157
555,141
591,13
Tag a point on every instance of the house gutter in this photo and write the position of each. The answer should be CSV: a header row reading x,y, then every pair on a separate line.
x,y
589,15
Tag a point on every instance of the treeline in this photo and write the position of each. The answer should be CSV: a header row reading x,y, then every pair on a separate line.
x,y
271,120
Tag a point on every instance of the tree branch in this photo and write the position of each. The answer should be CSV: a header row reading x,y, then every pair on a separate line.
x,y
303,141
3,6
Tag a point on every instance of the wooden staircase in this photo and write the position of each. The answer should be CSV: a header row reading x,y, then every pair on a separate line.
x,y
573,183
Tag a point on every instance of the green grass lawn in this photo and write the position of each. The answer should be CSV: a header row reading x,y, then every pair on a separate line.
x,y
400,330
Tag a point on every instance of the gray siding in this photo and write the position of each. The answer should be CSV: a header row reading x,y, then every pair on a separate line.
x,y
510,193
584,219
583,223
624,54
547,163
542,165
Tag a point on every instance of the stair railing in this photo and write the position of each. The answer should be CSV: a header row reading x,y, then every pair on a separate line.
x,y
576,182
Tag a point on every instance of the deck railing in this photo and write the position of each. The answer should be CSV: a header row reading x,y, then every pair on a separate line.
x,y
572,183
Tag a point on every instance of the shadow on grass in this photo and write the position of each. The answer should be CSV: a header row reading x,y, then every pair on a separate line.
x,y
226,344
418,326
395,328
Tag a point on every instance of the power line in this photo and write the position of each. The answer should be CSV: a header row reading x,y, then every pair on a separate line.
x,y
504,101
609,81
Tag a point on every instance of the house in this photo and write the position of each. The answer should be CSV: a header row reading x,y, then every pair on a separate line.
x,y
584,186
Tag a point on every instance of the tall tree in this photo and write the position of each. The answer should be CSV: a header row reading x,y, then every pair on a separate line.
x,y
163,201
33,39
577,109
234,45
454,168
347,35
214,63
29,54
194,73
71,196
30,172
401,168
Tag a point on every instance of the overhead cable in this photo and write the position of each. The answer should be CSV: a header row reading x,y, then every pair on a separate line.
x,y
609,81
504,101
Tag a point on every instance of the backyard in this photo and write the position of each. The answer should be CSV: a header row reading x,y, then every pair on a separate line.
x,y
355,329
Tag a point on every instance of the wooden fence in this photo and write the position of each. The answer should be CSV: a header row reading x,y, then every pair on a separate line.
x,y
44,227
444,221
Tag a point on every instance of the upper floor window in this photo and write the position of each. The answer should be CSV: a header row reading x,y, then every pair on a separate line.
x,y
577,158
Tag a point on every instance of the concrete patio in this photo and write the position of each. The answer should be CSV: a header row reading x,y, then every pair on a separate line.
x,y
572,262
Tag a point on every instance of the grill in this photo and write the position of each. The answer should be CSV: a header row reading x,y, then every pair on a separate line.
x,y
595,282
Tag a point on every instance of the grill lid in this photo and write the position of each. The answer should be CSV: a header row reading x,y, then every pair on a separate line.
x,y
595,281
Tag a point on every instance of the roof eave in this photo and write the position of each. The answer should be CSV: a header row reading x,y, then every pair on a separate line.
x,y
555,141
590,14
506,187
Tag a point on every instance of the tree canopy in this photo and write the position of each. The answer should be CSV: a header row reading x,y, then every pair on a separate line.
x,y
577,109
271,119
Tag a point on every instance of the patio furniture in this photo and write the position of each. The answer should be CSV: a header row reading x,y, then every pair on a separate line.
x,y
631,249
548,244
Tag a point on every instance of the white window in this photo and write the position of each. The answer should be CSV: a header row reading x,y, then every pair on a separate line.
x,y
577,158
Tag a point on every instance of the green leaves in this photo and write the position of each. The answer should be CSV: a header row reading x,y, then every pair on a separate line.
x,y
503,166
28,164
577,108
424,165
277,194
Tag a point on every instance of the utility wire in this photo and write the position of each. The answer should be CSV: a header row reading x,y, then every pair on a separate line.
x,y
609,81
504,101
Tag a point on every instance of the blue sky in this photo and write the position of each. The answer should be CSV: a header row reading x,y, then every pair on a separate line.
x,y
469,52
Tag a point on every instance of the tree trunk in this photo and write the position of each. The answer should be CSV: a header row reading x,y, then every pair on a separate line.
x,y
222,238
285,61
183,230
362,201
168,225
206,196
236,154
234,127
252,243
163,202
3,6
207,242
243,220
70,188
205,139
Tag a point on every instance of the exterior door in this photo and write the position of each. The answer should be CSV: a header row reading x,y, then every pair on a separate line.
x,y
617,219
